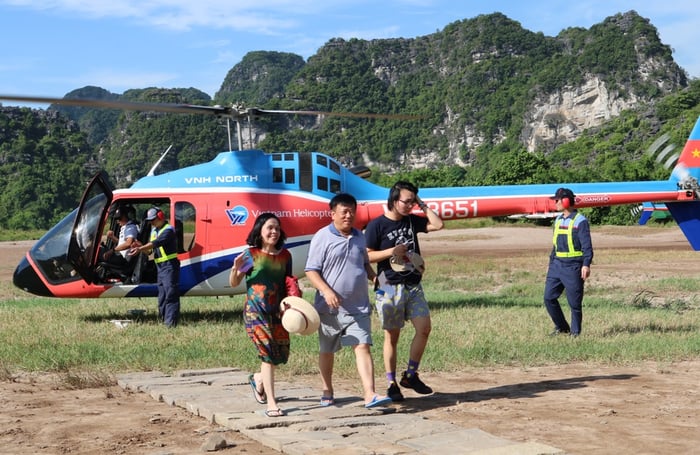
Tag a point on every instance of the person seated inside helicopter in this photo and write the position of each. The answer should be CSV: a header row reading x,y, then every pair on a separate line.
x,y
116,259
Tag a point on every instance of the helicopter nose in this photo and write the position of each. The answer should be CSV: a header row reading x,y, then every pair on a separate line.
x,y
26,278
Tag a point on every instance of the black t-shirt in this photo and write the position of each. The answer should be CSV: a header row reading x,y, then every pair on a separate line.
x,y
383,233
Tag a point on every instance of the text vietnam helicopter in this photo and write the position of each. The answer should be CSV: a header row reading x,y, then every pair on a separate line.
x,y
214,204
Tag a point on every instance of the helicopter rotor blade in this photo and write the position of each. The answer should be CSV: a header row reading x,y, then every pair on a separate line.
x,y
255,111
234,112
120,104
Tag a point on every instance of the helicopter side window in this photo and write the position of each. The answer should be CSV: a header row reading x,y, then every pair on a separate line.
x,y
277,175
280,175
322,183
305,172
185,216
289,176
282,157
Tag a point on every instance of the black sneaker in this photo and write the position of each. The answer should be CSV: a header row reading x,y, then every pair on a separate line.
x,y
415,383
394,392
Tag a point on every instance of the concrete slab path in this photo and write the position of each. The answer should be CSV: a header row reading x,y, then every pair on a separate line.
x,y
223,396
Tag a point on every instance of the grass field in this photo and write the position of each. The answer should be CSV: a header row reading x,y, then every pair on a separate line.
x,y
486,310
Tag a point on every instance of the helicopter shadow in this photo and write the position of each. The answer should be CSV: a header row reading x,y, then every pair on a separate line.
x,y
525,390
187,317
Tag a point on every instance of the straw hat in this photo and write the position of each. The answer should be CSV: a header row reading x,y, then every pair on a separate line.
x,y
299,316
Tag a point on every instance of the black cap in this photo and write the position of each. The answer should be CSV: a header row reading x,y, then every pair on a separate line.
x,y
123,212
563,193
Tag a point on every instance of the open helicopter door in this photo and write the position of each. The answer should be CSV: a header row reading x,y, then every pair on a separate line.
x,y
87,229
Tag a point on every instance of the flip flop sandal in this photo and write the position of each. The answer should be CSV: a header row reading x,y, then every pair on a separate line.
x,y
260,397
377,401
275,413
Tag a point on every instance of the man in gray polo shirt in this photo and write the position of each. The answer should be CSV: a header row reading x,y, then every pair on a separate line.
x,y
338,267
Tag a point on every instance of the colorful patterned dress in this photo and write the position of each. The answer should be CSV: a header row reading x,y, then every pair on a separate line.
x,y
266,289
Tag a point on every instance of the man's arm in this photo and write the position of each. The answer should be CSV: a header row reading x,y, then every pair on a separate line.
x,y
379,256
435,223
584,237
317,281
584,233
125,245
371,274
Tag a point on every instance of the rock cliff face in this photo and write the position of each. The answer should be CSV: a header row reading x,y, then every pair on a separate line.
x,y
494,83
552,120
479,85
563,115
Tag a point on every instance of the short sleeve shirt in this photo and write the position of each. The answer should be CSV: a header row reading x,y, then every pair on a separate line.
x,y
383,233
341,262
130,230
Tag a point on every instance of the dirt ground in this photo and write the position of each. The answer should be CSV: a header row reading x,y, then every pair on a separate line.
x,y
645,408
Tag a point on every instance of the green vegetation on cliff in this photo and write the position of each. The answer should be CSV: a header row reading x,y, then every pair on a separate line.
x,y
474,84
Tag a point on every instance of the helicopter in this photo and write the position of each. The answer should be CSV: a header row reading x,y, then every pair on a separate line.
x,y
656,211
214,204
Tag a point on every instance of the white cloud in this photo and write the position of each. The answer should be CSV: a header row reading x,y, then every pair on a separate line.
x,y
261,16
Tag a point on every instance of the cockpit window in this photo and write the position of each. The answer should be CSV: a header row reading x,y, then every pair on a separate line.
x,y
185,224
49,253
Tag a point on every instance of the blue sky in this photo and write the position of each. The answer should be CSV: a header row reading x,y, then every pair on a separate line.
x,y
50,47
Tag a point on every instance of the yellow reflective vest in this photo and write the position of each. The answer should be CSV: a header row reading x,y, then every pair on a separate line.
x,y
568,231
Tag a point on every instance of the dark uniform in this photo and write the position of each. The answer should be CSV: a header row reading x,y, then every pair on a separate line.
x,y
572,250
164,243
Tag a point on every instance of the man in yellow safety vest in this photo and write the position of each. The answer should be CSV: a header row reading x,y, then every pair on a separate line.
x,y
163,244
569,263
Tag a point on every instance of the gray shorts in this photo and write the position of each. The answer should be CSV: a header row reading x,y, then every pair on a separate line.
x,y
399,303
342,329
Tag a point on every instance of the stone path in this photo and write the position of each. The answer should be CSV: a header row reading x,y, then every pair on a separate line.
x,y
223,396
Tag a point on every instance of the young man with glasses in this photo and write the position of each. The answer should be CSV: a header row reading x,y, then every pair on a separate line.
x,y
392,240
